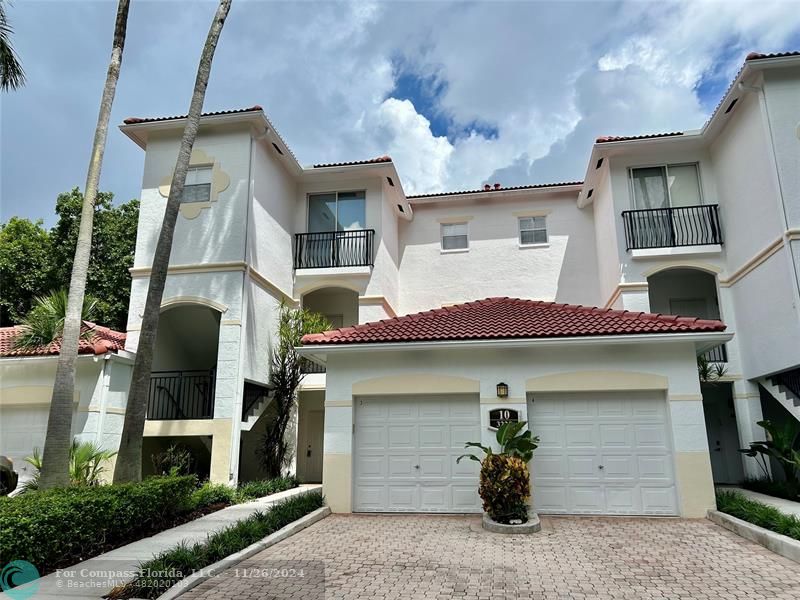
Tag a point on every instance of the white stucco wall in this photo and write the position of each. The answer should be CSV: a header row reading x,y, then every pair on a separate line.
x,y
101,392
217,234
564,270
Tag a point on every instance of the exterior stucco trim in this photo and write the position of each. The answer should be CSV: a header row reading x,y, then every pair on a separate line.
x,y
416,383
595,381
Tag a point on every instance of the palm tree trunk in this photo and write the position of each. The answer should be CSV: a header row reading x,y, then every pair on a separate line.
x,y
55,460
129,460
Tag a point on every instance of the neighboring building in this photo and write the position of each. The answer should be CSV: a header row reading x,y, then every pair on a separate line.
x,y
103,374
705,224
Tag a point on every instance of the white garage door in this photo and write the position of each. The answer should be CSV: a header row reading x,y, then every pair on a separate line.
x,y
603,453
405,454
22,430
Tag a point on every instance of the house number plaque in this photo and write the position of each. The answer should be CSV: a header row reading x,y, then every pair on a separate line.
x,y
498,416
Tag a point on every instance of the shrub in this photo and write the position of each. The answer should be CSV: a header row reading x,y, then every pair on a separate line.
x,y
185,559
175,460
265,487
505,478
62,526
768,517
87,464
779,489
213,493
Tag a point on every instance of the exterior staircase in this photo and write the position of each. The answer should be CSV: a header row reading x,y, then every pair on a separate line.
x,y
254,408
785,388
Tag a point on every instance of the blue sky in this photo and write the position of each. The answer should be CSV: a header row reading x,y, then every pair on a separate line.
x,y
457,93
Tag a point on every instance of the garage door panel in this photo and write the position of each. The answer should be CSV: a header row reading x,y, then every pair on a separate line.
x,y
658,500
629,436
551,436
433,436
423,438
373,437
616,436
371,466
580,435
583,467
402,437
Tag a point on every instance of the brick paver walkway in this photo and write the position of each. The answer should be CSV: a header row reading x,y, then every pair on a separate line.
x,y
443,557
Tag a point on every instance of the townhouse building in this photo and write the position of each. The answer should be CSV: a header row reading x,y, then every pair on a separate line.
x,y
531,302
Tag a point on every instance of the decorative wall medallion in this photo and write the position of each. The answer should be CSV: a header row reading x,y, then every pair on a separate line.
x,y
220,181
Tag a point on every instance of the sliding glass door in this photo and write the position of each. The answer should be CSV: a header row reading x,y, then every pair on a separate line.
x,y
338,220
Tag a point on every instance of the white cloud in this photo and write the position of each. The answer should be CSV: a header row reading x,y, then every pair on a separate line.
x,y
548,77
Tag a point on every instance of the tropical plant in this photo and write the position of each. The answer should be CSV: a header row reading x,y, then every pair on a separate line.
x,y
780,445
505,477
175,460
710,372
59,422
12,76
285,376
87,463
129,465
44,323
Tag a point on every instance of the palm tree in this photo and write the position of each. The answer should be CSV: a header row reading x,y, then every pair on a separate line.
x,y
129,463
44,323
12,76
55,459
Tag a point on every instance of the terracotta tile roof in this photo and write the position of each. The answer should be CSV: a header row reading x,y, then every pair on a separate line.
x,y
101,340
759,55
498,188
135,120
624,138
369,161
511,318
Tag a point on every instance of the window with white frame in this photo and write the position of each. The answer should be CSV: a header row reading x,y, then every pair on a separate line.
x,y
532,230
666,186
198,185
455,236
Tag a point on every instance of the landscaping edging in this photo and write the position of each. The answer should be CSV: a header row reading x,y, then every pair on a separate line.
x,y
777,543
532,526
218,567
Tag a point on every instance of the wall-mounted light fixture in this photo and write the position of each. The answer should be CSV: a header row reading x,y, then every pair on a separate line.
x,y
502,390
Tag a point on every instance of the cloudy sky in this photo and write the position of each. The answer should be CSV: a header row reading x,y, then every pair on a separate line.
x,y
457,93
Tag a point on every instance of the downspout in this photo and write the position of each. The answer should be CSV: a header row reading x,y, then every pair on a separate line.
x,y
762,100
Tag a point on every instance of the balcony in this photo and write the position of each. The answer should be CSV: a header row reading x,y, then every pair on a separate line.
x,y
718,354
181,395
332,249
677,227
308,367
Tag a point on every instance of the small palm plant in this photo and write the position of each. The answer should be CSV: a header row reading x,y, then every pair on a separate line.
x,y
505,485
44,323
86,465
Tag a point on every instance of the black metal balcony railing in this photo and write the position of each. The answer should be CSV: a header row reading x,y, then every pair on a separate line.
x,y
791,381
672,227
308,366
717,355
181,395
334,249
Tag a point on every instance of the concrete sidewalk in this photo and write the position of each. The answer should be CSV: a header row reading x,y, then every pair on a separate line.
x,y
787,507
89,579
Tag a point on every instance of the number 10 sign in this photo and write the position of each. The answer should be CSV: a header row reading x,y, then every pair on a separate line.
x,y
498,416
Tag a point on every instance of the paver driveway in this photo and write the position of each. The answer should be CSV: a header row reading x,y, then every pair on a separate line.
x,y
443,557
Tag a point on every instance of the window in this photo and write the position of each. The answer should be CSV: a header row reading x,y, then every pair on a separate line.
x,y
198,185
454,236
666,186
532,230
336,211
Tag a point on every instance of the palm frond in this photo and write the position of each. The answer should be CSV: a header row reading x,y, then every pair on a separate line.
x,y
12,75
44,323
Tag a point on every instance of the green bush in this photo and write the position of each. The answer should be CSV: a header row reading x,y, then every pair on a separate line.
x,y
213,493
258,489
779,489
60,527
768,517
185,559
